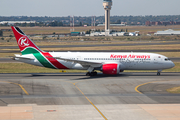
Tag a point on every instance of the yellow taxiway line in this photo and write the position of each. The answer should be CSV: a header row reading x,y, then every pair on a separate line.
x,y
88,99
91,102
136,88
18,85
21,88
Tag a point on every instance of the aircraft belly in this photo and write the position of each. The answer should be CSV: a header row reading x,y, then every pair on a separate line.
x,y
66,64
72,65
79,67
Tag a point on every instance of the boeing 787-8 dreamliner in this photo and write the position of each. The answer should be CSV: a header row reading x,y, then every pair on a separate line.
x,y
110,63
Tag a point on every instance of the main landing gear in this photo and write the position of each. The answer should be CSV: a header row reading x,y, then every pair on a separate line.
x,y
91,73
159,72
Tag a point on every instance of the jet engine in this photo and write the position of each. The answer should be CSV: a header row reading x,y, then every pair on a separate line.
x,y
111,69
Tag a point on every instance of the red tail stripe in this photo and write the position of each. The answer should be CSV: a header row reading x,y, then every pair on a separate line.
x,y
54,61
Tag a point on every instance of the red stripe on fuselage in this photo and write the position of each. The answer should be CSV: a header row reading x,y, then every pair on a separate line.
x,y
54,61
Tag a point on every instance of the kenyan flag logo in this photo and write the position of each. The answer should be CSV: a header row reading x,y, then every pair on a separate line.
x,y
23,42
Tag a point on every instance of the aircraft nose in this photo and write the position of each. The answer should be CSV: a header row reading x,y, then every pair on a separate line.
x,y
172,64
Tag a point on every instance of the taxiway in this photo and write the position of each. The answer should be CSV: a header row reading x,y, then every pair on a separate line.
x,y
76,96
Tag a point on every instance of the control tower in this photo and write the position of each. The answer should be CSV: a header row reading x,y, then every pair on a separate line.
x,y
107,7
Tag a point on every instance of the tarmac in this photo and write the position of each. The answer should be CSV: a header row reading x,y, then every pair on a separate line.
x,y
67,96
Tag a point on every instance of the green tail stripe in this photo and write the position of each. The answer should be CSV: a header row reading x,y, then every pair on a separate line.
x,y
43,61
38,55
29,50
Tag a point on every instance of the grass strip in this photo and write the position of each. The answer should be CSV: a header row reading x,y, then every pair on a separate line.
x,y
174,90
128,48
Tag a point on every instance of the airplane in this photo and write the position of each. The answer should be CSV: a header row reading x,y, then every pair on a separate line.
x,y
110,63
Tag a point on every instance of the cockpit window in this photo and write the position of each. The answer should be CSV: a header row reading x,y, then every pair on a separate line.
x,y
166,59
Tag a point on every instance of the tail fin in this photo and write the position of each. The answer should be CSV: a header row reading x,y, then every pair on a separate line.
x,y
25,44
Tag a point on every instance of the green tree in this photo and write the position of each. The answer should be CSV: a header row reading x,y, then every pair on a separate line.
x,y
24,24
1,33
80,24
58,37
31,24
88,32
44,37
60,24
118,22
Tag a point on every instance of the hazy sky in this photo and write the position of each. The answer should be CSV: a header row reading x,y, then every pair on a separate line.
x,y
87,7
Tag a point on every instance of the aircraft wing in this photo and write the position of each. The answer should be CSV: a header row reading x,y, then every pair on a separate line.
x,y
83,63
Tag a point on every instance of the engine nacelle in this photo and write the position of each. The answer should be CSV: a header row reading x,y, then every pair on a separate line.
x,y
111,69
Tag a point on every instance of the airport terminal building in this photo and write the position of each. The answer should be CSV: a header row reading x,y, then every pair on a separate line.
x,y
167,32
14,22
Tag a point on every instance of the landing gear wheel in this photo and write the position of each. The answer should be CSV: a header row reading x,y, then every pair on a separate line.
x,y
94,73
158,73
88,74
91,73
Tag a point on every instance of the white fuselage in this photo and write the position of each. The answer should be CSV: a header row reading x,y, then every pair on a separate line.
x,y
126,60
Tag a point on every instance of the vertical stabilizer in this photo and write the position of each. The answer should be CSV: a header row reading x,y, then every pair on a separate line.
x,y
25,44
